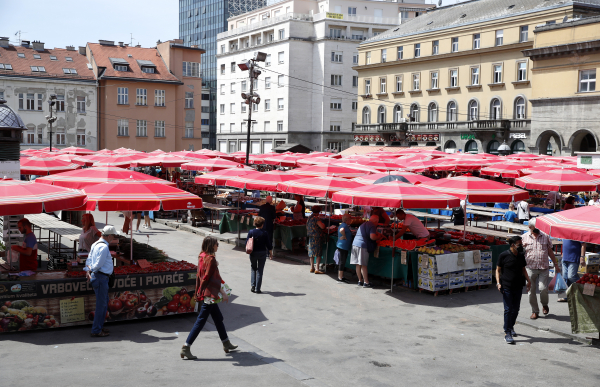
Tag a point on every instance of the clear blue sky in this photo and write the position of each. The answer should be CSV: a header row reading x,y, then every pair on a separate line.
x,y
61,23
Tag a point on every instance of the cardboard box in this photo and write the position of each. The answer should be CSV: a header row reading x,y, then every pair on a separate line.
x,y
485,272
431,262
471,272
456,282
592,269
592,259
424,284
486,259
486,266
459,273
436,285
486,255
431,274
484,280
471,280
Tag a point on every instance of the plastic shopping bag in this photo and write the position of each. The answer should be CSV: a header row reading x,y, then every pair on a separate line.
x,y
560,286
552,284
336,257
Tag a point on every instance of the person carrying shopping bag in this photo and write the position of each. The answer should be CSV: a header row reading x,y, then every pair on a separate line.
x,y
261,248
210,291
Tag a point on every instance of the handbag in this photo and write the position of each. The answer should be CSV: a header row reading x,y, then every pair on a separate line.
x,y
250,245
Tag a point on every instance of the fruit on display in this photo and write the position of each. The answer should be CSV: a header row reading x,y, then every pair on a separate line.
x,y
159,267
453,248
431,250
291,222
588,278
477,247
19,315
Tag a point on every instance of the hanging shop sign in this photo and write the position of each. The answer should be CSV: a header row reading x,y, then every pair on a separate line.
x,y
467,136
517,135
368,137
424,137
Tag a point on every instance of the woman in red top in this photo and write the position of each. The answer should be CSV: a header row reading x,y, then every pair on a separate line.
x,y
208,293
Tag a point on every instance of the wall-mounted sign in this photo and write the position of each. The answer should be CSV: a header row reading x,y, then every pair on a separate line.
x,y
467,136
517,135
588,161
368,137
424,137
331,15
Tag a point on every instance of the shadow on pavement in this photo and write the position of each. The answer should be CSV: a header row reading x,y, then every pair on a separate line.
x,y
284,294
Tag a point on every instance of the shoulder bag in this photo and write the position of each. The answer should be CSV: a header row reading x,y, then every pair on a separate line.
x,y
250,245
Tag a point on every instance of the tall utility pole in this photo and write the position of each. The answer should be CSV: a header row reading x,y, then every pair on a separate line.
x,y
51,119
251,98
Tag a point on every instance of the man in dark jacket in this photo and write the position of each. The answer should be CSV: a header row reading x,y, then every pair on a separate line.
x,y
267,211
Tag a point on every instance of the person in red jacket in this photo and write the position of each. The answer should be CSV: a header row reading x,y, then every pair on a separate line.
x,y
28,249
210,290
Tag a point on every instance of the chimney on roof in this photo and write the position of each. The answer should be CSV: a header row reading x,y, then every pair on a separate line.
x,y
177,41
121,44
82,50
106,42
38,46
25,43
70,48
158,41
138,45
4,42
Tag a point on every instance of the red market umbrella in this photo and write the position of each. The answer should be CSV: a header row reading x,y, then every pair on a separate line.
x,y
91,159
545,168
130,195
118,160
209,165
594,172
69,158
237,156
477,190
413,178
221,177
164,160
316,161
579,224
282,160
524,156
422,165
395,194
381,165
562,180
212,153
126,151
45,166
263,181
188,154
82,178
78,151
105,152
460,165
157,152
22,197
321,187
506,170
330,170
259,159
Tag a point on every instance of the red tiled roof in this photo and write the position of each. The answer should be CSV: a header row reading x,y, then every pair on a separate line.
x,y
102,54
54,68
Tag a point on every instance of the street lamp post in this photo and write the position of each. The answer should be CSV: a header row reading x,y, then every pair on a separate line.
x,y
51,119
252,97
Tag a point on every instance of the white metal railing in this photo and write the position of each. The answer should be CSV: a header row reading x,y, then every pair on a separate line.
x,y
264,23
358,18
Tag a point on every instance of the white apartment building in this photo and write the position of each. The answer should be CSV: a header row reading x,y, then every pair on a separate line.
x,y
308,88
205,117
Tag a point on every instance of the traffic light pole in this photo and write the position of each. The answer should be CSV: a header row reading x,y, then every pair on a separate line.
x,y
250,105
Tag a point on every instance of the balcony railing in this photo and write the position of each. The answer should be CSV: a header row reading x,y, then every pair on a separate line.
x,y
357,18
395,127
264,23
447,126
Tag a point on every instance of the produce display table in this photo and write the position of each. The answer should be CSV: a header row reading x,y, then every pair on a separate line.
x,y
51,299
426,216
232,225
214,208
482,231
584,309
287,233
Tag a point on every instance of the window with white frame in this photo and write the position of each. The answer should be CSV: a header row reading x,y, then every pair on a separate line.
x,y
454,78
60,103
39,101
397,113
232,88
222,49
523,33
159,98
119,67
279,103
221,128
222,108
334,145
496,109
417,50
255,84
521,71
159,129
474,76
191,69
141,97
384,55
267,126
452,112
233,66
366,115
382,86
80,104
141,128
355,81
336,56
434,80
123,128
60,136
268,60
400,52
232,127
435,47
398,83
30,101
222,89
335,33
498,73
80,137
416,81
473,111
335,126
520,108
587,81
432,113
368,57
476,41
254,107
355,58
354,106
243,107
267,83
189,130
281,34
336,80
367,86
280,80
31,136
280,126
189,99
232,108
223,69
244,86
351,12
280,57
267,105
499,37
335,104
454,44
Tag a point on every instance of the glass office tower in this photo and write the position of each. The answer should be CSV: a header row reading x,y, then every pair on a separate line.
x,y
199,23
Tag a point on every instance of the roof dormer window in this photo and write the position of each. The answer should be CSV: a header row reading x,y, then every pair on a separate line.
x,y
52,57
40,69
149,70
36,56
69,59
119,67
147,66
21,55
119,64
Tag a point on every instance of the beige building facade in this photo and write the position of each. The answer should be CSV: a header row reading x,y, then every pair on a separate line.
x,y
456,77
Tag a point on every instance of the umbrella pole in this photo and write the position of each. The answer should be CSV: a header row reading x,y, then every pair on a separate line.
x,y
131,242
465,220
393,251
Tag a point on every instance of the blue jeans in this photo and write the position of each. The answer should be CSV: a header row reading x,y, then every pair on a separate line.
x,y
512,304
257,266
569,272
100,285
205,311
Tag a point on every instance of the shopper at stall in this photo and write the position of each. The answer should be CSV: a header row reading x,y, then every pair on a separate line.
x,y
594,201
90,233
268,213
573,255
262,248
344,245
538,248
299,210
147,224
28,249
99,267
523,211
510,215
458,215
210,291
569,203
511,275
364,243
383,216
413,224
315,230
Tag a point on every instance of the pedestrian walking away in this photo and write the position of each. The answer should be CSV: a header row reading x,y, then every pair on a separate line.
x,y
573,255
262,248
511,275
538,249
210,291
364,243
99,268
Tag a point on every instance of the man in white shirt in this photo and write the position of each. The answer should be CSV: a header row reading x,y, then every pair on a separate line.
x,y
594,201
523,211
413,224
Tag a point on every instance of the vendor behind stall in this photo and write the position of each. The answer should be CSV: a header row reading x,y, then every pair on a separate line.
x,y
383,216
413,224
299,210
28,250
268,212
90,233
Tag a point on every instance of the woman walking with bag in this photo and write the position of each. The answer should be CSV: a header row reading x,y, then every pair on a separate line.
x,y
210,291
258,245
